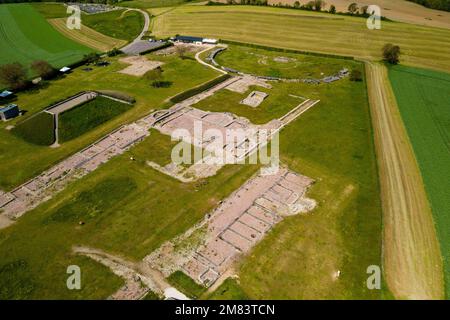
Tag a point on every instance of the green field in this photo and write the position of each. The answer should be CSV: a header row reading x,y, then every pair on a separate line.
x,y
39,130
184,283
228,290
128,208
26,36
309,31
85,117
278,64
423,98
118,24
32,159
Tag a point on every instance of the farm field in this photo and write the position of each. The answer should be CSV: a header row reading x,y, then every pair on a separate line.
x,y
423,98
397,10
87,36
25,35
39,129
119,24
83,118
32,159
421,46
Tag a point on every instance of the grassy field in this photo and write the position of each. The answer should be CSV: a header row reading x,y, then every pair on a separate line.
x,y
128,208
423,98
119,24
294,29
39,130
32,159
83,118
26,36
184,283
87,36
397,10
278,64
228,290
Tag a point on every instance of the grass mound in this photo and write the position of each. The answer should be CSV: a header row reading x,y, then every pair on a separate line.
x,y
79,120
39,129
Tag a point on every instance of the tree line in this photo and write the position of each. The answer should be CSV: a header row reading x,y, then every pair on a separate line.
x,y
434,4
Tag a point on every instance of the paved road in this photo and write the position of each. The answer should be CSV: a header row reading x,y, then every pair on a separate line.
x,y
144,30
412,260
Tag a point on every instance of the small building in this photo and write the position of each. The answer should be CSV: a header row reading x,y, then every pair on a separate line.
x,y
64,69
9,112
189,39
5,94
210,41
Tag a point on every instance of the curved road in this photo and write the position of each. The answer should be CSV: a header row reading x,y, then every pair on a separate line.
x,y
144,30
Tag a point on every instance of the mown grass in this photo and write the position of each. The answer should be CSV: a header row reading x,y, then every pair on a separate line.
x,y
51,10
85,117
127,208
268,63
423,98
116,24
33,159
309,31
228,290
39,130
186,285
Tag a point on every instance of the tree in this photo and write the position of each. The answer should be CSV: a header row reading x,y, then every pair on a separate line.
x,y
154,74
391,53
355,75
318,5
14,75
363,10
297,4
43,69
332,9
91,57
309,5
181,51
353,8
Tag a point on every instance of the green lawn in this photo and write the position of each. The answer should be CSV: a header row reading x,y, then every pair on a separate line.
x,y
26,36
118,24
423,98
32,159
83,118
279,64
128,208
228,290
186,285
51,10
39,130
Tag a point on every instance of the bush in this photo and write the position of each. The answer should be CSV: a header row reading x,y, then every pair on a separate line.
x,y
356,75
114,52
14,75
192,92
39,129
117,95
161,84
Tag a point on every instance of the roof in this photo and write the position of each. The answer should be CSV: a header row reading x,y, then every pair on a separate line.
x,y
64,69
189,38
8,107
5,94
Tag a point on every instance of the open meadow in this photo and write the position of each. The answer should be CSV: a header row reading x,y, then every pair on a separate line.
x,y
302,30
423,98
26,36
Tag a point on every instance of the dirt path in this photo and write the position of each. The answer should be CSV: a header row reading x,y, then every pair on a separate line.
x,y
411,255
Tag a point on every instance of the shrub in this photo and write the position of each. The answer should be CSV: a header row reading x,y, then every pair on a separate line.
x,y
356,75
161,84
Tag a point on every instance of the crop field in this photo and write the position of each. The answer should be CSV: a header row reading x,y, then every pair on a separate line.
x,y
294,29
26,36
32,159
87,36
83,118
423,98
119,24
39,130
397,10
